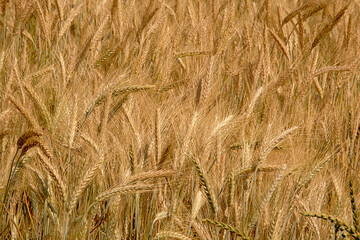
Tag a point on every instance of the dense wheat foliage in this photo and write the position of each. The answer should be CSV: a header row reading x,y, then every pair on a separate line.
x,y
179,119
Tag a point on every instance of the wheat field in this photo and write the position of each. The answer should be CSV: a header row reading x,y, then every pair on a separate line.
x,y
179,119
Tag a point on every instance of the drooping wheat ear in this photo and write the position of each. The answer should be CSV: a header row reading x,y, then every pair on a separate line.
x,y
206,187
40,73
280,43
331,69
90,141
221,126
122,190
30,143
227,227
132,89
27,135
149,175
314,10
102,97
59,184
69,20
99,99
39,104
297,11
316,169
274,142
341,225
328,27
169,234
248,170
107,56
26,114
192,54
170,86
353,208
117,106
85,181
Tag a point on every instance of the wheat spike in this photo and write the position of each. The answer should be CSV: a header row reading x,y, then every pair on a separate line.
x,y
169,234
98,34
328,27
27,115
342,225
275,142
280,43
208,191
69,20
228,228
139,188
297,11
39,104
85,181
60,186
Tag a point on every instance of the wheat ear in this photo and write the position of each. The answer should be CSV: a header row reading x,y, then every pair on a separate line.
x,y
69,20
205,185
353,208
157,138
98,34
274,142
168,234
85,182
280,43
227,227
138,188
27,115
341,225
328,27
297,11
